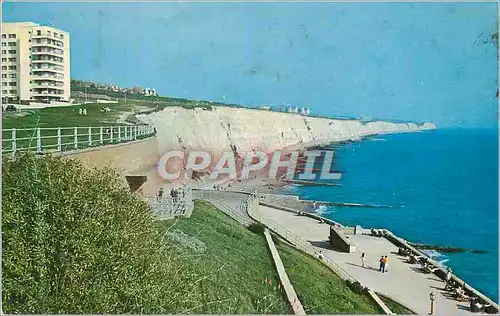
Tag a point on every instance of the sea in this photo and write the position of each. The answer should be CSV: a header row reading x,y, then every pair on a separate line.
x,y
443,189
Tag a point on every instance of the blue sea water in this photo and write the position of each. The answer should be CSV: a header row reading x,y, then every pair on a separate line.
x,y
447,181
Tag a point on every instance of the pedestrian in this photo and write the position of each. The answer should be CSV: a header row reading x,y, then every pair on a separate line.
x,y
320,256
176,195
160,193
381,261
386,264
448,276
363,260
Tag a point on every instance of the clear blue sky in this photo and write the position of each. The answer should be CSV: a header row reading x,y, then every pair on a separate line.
x,y
422,62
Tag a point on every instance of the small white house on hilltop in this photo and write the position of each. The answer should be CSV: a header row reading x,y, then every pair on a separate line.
x,y
149,92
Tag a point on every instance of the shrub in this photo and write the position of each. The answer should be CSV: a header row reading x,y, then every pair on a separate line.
x,y
76,241
257,228
10,107
356,287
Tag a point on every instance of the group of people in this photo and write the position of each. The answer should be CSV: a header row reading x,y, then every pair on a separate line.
x,y
220,187
175,194
383,263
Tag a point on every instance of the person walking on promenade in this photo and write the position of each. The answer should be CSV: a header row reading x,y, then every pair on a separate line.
x,y
448,276
386,264
363,260
382,264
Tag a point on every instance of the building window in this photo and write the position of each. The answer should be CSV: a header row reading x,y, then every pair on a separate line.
x,y
4,60
4,44
12,51
4,35
38,32
4,76
13,91
4,83
62,36
4,51
12,84
13,60
13,76
12,44
12,67
12,35
4,67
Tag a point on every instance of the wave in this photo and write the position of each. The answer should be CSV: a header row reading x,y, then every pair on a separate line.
x,y
437,256
321,210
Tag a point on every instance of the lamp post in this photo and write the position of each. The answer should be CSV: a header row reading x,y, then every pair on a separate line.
x,y
432,296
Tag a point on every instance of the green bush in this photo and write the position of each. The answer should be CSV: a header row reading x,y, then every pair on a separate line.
x,y
257,228
76,241
10,107
356,287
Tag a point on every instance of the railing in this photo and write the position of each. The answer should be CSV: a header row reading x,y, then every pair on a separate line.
x,y
169,207
248,205
292,238
209,196
42,140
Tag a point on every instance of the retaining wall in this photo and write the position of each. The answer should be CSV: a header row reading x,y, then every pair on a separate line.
x,y
132,158
339,242
283,276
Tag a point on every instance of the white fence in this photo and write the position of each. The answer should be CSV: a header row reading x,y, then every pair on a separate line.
x,y
61,139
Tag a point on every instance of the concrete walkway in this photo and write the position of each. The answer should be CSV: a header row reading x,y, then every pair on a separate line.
x,y
403,281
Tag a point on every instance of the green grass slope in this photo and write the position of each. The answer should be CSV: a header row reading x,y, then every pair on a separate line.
x,y
232,269
319,289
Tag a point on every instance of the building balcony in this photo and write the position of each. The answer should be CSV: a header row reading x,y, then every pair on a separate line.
x,y
49,37
45,44
48,78
47,61
47,69
47,85
48,92
46,53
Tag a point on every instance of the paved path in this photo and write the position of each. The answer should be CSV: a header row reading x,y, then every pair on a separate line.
x,y
403,281
232,200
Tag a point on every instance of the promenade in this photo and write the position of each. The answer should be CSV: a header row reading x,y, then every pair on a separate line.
x,y
403,282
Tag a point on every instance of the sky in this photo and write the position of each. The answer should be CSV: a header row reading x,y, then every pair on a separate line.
x,y
423,62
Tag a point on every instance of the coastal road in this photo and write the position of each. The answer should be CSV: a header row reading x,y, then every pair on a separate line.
x,y
403,281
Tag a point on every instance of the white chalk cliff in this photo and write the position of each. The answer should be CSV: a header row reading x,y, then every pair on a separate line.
x,y
242,130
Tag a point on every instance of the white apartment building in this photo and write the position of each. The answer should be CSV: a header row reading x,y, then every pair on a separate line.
x,y
35,64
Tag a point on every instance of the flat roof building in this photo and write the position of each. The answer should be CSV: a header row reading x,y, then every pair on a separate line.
x,y
35,63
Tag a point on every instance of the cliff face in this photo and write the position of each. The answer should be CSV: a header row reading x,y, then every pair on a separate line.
x,y
242,130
